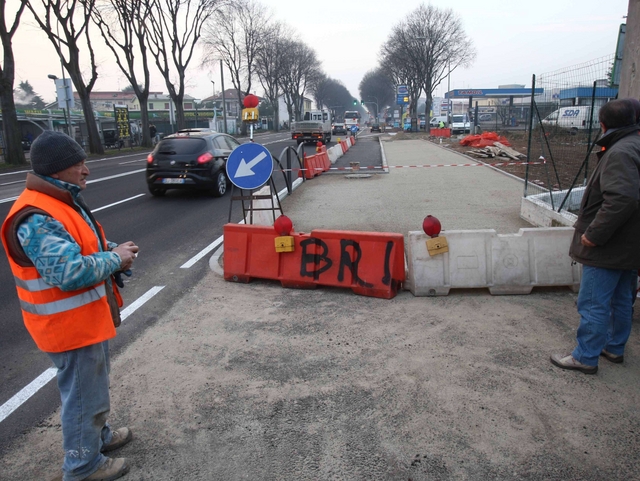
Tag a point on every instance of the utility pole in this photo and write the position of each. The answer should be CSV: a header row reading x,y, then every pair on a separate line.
x,y
629,78
224,104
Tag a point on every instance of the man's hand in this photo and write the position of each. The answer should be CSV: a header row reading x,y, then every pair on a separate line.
x,y
586,242
127,252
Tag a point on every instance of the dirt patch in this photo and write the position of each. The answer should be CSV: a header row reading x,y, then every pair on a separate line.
x,y
563,152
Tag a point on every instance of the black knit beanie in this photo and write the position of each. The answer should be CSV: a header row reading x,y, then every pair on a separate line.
x,y
54,151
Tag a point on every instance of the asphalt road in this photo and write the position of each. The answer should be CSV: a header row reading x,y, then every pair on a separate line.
x,y
172,231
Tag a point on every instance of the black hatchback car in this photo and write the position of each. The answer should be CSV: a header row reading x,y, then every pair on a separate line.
x,y
190,160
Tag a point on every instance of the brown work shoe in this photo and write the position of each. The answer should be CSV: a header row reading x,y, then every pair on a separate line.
x,y
121,436
616,358
114,468
568,362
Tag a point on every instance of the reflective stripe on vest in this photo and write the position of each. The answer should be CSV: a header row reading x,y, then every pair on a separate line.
x,y
34,285
67,304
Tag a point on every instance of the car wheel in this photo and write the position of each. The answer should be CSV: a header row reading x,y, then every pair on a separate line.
x,y
157,191
221,184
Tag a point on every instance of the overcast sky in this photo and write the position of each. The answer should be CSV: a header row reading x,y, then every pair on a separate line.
x,y
513,40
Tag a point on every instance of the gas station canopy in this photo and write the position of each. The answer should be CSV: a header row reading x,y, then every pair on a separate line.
x,y
507,92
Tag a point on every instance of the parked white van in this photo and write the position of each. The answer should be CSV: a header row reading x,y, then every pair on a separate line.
x,y
574,118
435,121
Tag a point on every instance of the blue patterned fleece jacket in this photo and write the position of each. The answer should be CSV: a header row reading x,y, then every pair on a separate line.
x,y
57,256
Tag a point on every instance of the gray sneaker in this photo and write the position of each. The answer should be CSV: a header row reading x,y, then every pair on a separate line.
x,y
568,362
120,437
114,468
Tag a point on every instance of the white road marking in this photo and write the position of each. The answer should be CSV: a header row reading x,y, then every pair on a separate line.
x,y
131,161
214,245
15,182
102,179
38,383
116,203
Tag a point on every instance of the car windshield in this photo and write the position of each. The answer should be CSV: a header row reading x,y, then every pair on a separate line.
x,y
458,118
182,145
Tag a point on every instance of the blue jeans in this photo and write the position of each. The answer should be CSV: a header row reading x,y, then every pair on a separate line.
x,y
605,305
83,381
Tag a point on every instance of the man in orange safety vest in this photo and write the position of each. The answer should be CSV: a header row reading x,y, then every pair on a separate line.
x,y
65,272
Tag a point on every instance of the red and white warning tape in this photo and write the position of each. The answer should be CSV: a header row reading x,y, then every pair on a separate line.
x,y
372,167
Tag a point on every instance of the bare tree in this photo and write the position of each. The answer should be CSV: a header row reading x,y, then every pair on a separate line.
x,y
424,48
397,63
268,67
123,25
13,153
300,69
378,86
74,21
237,36
175,27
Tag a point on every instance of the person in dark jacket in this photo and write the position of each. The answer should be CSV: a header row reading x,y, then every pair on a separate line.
x,y
605,242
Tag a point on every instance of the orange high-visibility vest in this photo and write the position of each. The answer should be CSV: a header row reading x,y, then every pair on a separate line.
x,y
59,321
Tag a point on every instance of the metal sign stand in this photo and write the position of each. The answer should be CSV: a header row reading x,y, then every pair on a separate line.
x,y
251,197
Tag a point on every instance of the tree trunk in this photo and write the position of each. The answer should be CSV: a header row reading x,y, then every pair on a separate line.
x,y
95,144
144,117
11,135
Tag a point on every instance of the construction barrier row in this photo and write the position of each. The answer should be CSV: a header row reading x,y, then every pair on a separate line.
x,y
503,263
315,164
369,263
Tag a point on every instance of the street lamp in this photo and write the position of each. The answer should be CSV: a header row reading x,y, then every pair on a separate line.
x,y
377,109
66,112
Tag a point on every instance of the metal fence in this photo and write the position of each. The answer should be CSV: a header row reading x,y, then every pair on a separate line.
x,y
564,127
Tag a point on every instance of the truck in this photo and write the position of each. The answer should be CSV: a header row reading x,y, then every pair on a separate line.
x,y
316,127
352,118
460,124
577,117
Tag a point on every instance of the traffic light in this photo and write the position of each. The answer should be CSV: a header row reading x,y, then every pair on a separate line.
x,y
355,102
362,102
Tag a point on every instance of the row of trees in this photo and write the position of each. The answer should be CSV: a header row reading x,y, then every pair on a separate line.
x,y
141,33
420,52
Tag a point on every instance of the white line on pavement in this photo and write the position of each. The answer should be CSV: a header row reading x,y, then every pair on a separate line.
x,y
102,179
135,305
131,161
14,182
38,383
116,203
202,253
11,199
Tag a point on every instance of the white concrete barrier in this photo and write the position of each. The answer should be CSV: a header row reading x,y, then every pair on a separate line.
x,y
334,153
504,263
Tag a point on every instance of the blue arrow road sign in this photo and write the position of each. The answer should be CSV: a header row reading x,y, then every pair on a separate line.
x,y
249,166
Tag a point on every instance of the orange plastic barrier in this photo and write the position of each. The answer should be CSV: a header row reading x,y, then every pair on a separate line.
x,y
441,132
368,263
313,166
344,146
323,159
486,139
